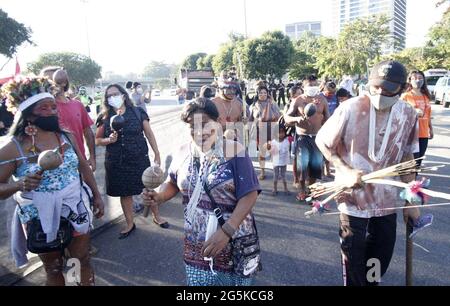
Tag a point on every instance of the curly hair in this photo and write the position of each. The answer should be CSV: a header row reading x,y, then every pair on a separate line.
x,y
18,90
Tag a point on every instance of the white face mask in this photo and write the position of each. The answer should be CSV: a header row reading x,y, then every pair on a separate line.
x,y
382,102
139,90
312,91
417,83
115,101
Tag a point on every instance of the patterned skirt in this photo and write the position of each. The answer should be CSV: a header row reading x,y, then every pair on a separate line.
x,y
200,277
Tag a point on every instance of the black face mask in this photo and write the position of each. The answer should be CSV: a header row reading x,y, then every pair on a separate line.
x,y
49,123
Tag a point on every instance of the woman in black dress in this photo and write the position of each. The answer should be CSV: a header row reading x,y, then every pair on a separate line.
x,y
126,155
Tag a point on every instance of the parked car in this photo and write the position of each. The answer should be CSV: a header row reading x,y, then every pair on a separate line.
x,y
156,92
446,98
432,76
442,91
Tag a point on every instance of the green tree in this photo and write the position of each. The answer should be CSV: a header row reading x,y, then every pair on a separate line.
x,y
411,58
305,56
190,62
439,42
223,60
331,61
302,65
361,43
157,70
268,56
162,84
12,35
205,63
227,57
81,69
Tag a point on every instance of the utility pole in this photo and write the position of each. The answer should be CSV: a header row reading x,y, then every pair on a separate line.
x,y
245,18
85,2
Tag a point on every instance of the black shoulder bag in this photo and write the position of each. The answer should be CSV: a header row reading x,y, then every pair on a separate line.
x,y
37,239
245,250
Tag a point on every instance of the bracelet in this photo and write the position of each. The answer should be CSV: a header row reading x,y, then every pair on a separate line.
x,y
228,230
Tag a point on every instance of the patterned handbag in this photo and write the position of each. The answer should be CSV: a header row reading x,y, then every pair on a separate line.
x,y
245,250
246,254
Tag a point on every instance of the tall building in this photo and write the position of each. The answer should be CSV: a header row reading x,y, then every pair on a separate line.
x,y
295,30
345,11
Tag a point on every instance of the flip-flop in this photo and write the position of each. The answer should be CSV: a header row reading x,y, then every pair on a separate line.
x,y
422,223
301,196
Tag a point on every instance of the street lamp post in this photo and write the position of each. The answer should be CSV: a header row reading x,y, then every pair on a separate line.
x,y
85,2
245,18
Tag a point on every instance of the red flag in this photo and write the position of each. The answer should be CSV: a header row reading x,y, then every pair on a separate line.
x,y
17,67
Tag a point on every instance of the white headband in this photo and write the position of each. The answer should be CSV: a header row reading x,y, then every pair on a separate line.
x,y
30,101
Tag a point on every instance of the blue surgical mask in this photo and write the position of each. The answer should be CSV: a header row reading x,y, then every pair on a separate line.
x,y
115,101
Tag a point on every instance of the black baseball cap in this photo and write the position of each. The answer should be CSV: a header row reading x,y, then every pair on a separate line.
x,y
389,75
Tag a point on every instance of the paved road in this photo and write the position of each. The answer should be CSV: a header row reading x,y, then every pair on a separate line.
x,y
296,251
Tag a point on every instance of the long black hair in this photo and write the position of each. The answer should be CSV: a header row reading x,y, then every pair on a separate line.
x,y
424,89
18,127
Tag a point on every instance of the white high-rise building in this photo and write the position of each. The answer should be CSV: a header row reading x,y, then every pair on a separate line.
x,y
295,30
345,11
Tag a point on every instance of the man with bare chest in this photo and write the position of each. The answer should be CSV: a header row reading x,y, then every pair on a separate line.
x,y
227,103
309,157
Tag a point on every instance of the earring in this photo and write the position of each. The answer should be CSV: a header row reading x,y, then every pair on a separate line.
x,y
31,131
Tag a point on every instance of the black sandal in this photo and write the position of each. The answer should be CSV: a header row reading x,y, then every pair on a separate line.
x,y
126,234
163,225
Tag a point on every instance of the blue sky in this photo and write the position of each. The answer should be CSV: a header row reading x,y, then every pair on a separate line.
x,y
126,35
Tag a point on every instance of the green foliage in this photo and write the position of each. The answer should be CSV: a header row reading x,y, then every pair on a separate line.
x,y
162,84
439,42
81,69
190,62
223,60
12,35
268,56
227,56
205,63
413,58
435,53
358,46
361,43
158,70
305,56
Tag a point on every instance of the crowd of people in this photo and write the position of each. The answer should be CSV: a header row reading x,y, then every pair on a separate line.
x,y
320,127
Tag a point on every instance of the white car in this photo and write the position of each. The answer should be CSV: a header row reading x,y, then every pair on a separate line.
x,y
432,76
156,93
442,91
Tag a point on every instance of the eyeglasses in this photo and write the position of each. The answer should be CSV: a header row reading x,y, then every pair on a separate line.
x,y
113,95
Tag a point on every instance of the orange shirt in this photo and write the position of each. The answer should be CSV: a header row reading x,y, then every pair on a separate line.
x,y
423,103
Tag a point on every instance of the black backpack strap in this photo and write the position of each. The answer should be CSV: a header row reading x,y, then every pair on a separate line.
x,y
217,210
